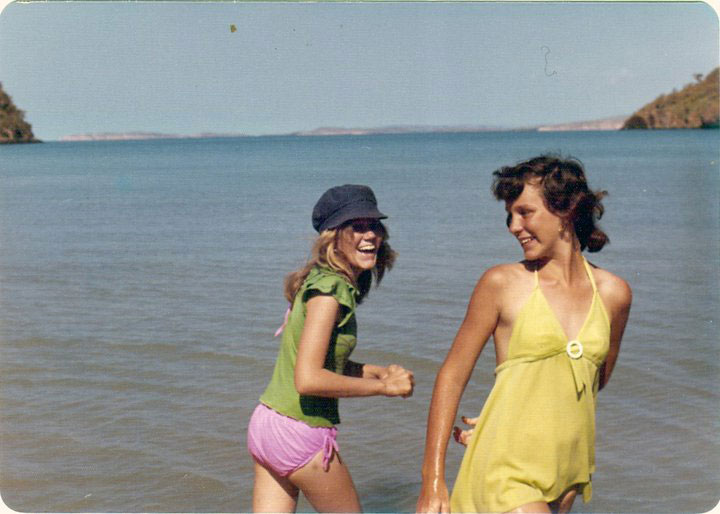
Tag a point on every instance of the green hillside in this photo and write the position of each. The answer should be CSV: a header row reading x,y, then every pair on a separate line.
x,y
695,106
13,127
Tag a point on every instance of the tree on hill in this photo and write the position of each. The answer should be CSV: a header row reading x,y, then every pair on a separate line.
x,y
13,127
694,106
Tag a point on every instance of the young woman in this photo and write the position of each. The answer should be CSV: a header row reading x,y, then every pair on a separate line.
x,y
556,321
292,434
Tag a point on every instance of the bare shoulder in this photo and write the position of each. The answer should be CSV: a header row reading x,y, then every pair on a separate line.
x,y
502,276
491,296
503,284
613,289
503,273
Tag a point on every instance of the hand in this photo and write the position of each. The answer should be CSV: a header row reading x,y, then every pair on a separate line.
x,y
463,436
434,498
397,381
373,371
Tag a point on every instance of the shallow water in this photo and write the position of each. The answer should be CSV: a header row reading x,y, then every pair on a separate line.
x,y
141,284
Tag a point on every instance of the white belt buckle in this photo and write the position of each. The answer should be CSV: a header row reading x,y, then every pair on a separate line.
x,y
574,349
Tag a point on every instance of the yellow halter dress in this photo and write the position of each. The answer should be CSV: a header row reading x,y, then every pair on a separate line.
x,y
536,434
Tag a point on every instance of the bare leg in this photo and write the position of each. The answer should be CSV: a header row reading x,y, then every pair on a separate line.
x,y
273,493
563,504
327,491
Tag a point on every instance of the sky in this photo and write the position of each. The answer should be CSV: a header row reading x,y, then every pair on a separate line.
x,y
179,68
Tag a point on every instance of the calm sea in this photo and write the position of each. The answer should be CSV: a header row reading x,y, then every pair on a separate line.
x,y
141,283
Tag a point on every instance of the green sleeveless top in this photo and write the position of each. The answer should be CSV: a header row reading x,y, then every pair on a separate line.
x,y
281,394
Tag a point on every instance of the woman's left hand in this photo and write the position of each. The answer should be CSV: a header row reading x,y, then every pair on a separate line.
x,y
374,371
400,376
398,381
463,436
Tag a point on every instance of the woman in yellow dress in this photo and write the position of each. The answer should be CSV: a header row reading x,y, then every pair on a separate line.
x,y
556,321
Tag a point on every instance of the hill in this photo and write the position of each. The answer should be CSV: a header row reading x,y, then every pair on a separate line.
x,y
694,106
13,127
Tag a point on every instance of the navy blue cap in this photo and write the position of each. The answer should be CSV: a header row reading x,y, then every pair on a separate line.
x,y
344,203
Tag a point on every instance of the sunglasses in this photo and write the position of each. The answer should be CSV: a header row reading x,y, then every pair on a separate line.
x,y
362,226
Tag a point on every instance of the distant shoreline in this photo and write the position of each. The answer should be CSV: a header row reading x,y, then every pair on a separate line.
x,y
604,124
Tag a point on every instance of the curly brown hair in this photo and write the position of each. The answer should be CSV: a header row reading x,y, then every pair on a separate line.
x,y
565,191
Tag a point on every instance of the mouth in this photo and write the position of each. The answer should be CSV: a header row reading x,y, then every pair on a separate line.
x,y
524,241
367,248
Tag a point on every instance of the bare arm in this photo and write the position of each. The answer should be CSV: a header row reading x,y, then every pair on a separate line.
x,y
311,378
358,369
619,297
479,323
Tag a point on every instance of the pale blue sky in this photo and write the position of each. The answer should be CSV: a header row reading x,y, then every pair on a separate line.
x,y
177,67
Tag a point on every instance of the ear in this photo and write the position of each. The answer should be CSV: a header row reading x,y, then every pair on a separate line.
x,y
565,224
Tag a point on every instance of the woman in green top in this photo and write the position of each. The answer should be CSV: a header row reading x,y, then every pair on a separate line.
x,y
291,435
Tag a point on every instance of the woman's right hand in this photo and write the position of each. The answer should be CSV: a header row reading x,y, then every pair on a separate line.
x,y
463,436
434,498
397,381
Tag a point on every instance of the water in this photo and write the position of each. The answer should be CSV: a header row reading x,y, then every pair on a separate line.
x,y
141,283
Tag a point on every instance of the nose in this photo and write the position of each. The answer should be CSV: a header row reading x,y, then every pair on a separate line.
x,y
514,225
369,233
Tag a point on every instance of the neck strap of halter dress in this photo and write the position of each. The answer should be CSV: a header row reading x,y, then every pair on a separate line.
x,y
588,268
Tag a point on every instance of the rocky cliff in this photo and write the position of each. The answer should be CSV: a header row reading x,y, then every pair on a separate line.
x,y
13,127
694,106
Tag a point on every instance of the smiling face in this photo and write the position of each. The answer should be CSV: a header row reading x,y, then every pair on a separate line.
x,y
360,241
533,224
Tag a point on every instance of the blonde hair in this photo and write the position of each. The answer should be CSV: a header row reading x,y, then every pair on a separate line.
x,y
325,252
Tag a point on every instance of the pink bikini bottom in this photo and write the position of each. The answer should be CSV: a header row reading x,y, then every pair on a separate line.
x,y
285,444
